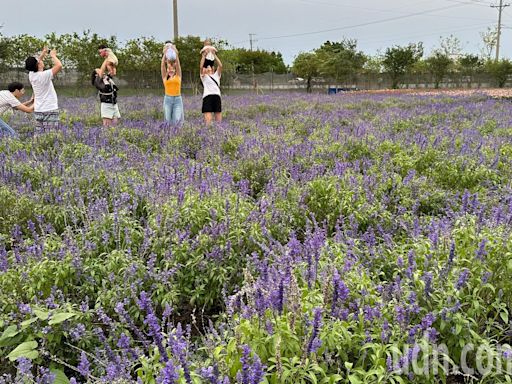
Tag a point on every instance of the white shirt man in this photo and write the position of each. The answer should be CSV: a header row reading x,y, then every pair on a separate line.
x,y
46,106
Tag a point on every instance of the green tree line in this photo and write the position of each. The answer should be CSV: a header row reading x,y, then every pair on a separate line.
x,y
79,51
340,61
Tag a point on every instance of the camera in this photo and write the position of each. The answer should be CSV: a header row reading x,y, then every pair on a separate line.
x,y
49,50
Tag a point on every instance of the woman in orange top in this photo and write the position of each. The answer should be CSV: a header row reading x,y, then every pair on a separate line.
x,y
171,77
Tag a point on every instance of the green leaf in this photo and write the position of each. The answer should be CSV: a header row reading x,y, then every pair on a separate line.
x,y
9,332
335,378
42,315
504,316
60,317
26,323
26,349
285,375
348,365
354,379
60,376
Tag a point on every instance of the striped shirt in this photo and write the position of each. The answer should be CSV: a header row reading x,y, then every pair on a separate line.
x,y
7,101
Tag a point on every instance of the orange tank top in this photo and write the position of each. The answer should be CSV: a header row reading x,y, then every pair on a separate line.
x,y
173,86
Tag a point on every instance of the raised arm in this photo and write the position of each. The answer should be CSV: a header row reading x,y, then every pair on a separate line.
x,y
103,68
178,64
43,54
57,65
219,65
203,58
112,70
163,69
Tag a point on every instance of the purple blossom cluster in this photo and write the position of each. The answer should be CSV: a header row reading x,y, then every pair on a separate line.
x,y
303,231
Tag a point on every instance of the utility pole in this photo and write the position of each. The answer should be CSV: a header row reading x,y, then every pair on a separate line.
x,y
254,85
175,19
250,38
500,7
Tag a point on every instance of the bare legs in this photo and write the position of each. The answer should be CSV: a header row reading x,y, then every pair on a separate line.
x,y
208,117
110,122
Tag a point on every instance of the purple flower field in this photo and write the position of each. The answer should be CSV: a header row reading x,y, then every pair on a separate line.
x,y
356,238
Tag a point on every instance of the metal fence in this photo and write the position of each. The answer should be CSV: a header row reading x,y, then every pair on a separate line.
x,y
265,82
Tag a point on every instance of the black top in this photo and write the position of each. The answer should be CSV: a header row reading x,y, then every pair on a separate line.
x,y
107,89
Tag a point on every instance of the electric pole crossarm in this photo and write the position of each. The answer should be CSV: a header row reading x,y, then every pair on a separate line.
x,y
500,7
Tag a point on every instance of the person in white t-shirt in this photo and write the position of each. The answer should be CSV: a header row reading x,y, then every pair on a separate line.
x,y
9,100
210,77
46,105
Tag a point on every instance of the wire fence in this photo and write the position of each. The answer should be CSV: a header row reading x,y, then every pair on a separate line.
x,y
265,82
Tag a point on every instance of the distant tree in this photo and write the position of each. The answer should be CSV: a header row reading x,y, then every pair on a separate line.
x,y
420,68
19,48
278,65
306,66
141,54
4,43
468,65
139,58
489,39
451,46
80,51
398,60
438,65
340,60
373,65
189,48
261,61
499,70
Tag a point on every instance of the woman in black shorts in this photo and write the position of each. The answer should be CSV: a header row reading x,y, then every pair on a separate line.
x,y
210,77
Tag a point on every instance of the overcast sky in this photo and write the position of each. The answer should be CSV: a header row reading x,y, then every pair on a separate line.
x,y
287,26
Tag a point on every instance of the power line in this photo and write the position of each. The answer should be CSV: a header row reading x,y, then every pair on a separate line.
x,y
420,13
476,3
420,35
313,2
339,5
362,24
444,30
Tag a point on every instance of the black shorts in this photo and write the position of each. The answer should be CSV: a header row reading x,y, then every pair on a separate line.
x,y
211,103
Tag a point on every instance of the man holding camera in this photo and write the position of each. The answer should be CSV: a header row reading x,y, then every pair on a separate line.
x,y
46,106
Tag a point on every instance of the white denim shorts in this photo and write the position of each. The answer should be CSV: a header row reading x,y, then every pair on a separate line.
x,y
110,111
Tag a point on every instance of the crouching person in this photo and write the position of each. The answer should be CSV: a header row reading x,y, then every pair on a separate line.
x,y
107,91
9,99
